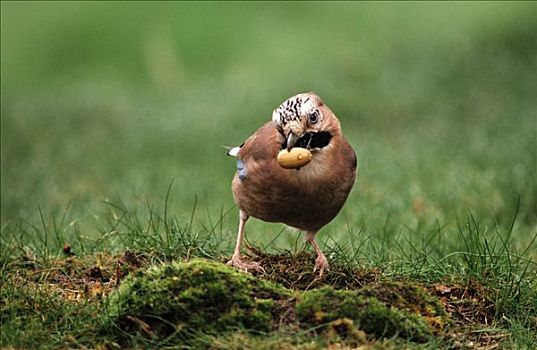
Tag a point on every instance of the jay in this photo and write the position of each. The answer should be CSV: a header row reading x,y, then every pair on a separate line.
x,y
307,198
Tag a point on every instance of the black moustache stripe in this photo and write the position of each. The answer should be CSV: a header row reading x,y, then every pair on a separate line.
x,y
312,140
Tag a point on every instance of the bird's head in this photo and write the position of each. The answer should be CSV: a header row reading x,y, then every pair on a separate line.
x,y
305,121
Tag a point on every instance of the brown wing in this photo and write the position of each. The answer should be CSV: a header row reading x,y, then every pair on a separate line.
x,y
262,146
264,189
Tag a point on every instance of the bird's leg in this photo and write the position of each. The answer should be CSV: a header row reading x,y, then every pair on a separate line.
x,y
236,260
321,263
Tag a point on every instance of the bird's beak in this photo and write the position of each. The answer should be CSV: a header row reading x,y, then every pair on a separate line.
x,y
291,140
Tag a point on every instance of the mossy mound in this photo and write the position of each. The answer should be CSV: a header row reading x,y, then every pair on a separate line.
x,y
324,306
404,295
207,297
199,296
409,297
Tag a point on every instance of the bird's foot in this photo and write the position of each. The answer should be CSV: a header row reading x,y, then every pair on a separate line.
x,y
245,265
321,265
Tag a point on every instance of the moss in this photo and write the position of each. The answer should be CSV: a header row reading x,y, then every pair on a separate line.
x,y
405,295
410,297
344,328
321,306
200,296
207,297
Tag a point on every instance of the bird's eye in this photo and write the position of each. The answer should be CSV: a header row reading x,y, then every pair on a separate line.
x,y
314,117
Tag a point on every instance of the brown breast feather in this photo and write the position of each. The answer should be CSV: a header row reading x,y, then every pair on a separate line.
x,y
308,198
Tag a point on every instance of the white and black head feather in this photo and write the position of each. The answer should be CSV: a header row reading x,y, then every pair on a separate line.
x,y
293,109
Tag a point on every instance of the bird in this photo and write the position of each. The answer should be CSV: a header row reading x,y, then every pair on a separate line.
x,y
306,198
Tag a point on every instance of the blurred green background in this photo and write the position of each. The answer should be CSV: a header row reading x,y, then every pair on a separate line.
x,y
111,101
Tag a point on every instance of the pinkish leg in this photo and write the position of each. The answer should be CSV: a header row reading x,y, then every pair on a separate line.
x,y
236,260
321,263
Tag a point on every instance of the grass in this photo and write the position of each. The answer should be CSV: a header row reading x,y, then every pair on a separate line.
x,y
113,118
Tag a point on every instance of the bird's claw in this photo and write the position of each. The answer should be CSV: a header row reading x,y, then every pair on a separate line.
x,y
246,265
321,265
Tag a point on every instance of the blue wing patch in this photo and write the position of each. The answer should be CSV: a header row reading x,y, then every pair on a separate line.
x,y
241,169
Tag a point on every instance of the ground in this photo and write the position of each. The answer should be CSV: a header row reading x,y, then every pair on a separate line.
x,y
131,301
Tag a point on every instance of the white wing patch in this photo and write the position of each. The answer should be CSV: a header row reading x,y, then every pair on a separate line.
x,y
234,151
